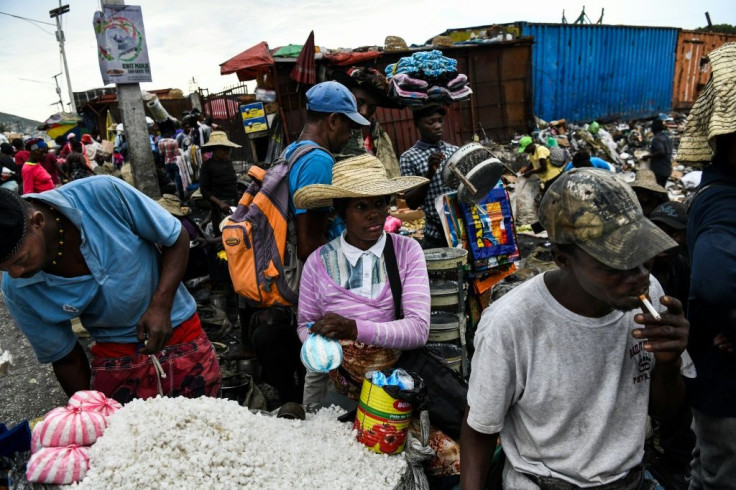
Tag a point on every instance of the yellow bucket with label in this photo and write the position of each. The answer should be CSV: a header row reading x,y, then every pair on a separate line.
x,y
382,421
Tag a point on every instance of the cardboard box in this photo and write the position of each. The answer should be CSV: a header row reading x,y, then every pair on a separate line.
x,y
252,111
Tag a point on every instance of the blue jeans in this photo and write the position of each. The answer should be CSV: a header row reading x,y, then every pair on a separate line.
x,y
172,171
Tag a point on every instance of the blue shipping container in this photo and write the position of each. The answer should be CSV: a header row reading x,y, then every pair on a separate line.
x,y
587,72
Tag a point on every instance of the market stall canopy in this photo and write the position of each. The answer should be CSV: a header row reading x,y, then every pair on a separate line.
x,y
61,124
248,64
347,59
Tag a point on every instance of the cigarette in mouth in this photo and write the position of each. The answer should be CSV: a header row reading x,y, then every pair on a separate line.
x,y
650,308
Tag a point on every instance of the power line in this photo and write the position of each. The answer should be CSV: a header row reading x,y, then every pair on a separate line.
x,y
32,22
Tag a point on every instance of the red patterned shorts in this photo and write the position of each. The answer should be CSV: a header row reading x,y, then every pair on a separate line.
x,y
191,370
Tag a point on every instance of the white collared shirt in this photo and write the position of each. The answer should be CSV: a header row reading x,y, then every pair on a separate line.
x,y
353,255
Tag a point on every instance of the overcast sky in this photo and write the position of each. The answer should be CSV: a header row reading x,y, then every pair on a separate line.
x,y
190,38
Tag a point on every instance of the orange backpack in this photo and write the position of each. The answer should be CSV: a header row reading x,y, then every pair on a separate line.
x,y
260,237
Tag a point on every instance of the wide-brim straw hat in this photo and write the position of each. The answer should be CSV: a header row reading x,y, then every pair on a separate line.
x,y
219,138
646,179
394,43
359,176
172,204
370,80
442,41
714,112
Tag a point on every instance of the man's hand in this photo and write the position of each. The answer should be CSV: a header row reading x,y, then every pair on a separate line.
x,y
666,338
334,326
434,162
723,343
154,325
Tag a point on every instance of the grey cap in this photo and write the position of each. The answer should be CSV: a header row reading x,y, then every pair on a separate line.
x,y
597,211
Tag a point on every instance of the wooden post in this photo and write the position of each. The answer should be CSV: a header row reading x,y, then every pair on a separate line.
x,y
133,113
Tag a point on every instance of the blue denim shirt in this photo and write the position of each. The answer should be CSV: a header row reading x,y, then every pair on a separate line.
x,y
120,228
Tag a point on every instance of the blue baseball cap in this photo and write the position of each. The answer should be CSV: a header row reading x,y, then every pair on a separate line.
x,y
36,144
334,97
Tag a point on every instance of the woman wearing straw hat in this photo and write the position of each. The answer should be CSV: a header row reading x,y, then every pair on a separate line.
x,y
345,288
217,179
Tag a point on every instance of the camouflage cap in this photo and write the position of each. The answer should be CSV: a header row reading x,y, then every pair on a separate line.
x,y
597,211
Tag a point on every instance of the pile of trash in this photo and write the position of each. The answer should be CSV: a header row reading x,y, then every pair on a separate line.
x,y
624,144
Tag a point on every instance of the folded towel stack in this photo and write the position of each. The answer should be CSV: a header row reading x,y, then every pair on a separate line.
x,y
427,77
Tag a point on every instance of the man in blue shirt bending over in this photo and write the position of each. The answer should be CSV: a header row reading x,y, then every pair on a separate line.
x,y
100,250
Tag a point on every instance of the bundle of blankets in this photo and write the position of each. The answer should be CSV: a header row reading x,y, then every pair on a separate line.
x,y
427,77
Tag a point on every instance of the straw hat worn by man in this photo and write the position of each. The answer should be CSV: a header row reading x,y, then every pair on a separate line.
x,y
648,192
710,138
217,179
565,367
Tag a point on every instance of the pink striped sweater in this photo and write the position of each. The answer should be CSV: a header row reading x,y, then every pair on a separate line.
x,y
320,295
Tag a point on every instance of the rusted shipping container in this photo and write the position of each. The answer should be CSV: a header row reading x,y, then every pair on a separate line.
x,y
692,69
501,104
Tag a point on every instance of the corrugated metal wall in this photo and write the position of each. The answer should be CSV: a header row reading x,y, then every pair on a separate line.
x,y
586,72
691,68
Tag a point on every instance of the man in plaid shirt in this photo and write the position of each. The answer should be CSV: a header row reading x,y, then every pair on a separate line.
x,y
168,148
425,159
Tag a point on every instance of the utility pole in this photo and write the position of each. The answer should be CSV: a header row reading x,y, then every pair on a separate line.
x,y
133,112
58,92
56,14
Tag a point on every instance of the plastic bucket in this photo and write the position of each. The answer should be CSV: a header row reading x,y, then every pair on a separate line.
x,y
382,421
444,327
452,354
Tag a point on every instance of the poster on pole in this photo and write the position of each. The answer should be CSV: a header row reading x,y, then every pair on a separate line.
x,y
121,44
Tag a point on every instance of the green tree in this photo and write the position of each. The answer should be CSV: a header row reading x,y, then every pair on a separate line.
x,y
720,28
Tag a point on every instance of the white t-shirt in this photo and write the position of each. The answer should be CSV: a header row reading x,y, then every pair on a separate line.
x,y
569,394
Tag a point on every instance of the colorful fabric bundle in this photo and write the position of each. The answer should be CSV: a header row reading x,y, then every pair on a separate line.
x,y
431,64
427,76
490,230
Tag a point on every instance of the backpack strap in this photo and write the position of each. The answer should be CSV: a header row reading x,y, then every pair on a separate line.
x,y
392,271
300,152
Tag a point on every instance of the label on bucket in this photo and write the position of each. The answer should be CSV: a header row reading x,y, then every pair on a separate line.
x,y
382,422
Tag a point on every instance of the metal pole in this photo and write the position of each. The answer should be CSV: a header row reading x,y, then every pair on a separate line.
x,y
60,39
58,92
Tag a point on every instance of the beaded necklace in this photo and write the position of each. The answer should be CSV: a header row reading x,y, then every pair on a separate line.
x,y
60,250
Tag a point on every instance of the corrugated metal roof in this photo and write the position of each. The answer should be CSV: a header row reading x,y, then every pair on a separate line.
x,y
586,72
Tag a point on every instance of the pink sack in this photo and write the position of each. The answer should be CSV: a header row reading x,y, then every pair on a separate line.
x,y
58,465
71,425
392,224
36,437
94,401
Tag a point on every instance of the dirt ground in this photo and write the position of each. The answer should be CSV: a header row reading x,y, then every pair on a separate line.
x,y
30,389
